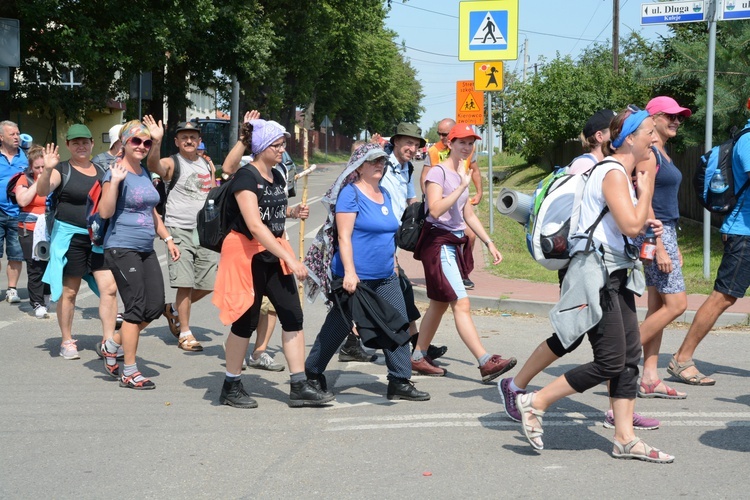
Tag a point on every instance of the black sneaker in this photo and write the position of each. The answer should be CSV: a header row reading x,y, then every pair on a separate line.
x,y
434,352
306,394
468,284
401,388
355,353
233,394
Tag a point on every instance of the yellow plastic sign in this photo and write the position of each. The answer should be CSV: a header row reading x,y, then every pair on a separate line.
x,y
469,103
488,76
488,30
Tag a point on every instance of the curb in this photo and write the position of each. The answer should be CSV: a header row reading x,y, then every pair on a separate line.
x,y
542,309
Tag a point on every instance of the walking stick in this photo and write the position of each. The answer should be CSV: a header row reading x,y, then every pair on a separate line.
x,y
301,285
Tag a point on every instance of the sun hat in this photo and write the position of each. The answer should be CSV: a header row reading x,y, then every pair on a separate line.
x,y
409,130
114,133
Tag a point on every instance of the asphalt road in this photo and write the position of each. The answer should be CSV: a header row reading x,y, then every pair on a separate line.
x,y
68,431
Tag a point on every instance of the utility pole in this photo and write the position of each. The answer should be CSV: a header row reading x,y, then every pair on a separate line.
x,y
525,57
616,36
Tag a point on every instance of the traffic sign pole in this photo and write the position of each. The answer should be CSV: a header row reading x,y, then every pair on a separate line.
x,y
709,128
489,157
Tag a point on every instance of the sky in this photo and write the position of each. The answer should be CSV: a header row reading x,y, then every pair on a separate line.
x,y
429,29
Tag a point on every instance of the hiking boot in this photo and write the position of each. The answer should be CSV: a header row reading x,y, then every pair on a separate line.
x,y
317,380
40,311
639,422
508,396
424,367
306,394
468,284
11,295
434,352
264,362
233,394
495,367
68,350
355,353
402,388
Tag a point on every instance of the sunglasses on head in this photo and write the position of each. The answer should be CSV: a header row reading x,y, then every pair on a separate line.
x,y
137,141
633,108
673,117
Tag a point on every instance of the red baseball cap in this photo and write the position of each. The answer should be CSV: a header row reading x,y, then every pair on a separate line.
x,y
463,131
665,104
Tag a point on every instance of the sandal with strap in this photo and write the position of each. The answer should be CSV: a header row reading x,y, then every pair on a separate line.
x,y
649,391
173,320
675,368
189,344
532,432
136,381
649,454
112,369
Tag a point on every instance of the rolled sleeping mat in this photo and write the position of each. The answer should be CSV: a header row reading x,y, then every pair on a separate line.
x,y
515,205
41,250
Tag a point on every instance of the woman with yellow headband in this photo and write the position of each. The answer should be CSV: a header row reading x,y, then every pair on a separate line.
x,y
129,200
605,268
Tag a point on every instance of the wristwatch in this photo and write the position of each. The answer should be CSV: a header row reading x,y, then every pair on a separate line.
x,y
167,239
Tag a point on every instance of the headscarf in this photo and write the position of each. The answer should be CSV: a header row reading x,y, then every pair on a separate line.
x,y
264,134
630,125
320,254
128,133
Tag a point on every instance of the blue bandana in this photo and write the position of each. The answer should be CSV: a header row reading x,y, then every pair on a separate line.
x,y
630,125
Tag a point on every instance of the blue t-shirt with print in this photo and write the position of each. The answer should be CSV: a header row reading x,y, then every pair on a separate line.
x,y
132,225
8,169
738,222
373,237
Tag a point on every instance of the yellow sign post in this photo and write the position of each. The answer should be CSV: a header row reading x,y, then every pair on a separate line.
x,y
488,76
469,103
488,30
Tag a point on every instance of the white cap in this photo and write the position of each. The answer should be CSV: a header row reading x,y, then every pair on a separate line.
x,y
114,134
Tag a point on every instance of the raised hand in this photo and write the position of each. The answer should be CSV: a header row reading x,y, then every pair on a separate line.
x,y
119,172
155,129
51,156
251,115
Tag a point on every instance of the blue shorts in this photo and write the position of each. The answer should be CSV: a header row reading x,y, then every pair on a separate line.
x,y
9,235
733,276
665,283
449,265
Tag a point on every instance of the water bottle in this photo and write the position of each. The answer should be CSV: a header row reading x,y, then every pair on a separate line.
x,y
211,212
717,186
648,248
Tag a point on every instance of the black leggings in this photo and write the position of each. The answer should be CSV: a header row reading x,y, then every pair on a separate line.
x,y
616,342
34,269
281,289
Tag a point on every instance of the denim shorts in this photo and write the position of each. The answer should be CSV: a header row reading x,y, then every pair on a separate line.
x,y
449,265
9,235
733,276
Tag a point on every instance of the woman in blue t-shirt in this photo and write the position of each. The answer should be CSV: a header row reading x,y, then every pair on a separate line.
x,y
365,256
128,200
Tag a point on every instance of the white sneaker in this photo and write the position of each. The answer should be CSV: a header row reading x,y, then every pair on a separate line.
x,y
264,362
40,312
68,350
11,295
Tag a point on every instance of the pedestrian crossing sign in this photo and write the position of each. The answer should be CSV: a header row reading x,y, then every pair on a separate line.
x,y
469,103
488,30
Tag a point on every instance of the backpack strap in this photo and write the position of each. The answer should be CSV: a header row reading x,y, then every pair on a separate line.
x,y
175,172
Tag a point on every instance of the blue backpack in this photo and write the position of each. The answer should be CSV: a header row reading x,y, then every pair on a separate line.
x,y
715,167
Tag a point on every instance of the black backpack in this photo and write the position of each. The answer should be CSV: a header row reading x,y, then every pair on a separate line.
x,y
11,188
411,226
213,225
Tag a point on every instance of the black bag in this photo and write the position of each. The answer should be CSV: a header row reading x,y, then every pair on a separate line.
x,y
411,225
213,225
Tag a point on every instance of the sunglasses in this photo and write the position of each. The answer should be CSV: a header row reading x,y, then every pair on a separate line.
x,y
633,108
674,118
442,134
137,141
632,252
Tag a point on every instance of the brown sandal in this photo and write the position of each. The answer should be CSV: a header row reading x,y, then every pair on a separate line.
x,y
173,320
189,344
675,368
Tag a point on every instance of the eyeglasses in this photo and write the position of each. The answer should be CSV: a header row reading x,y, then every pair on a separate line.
x,y
674,118
279,146
137,141
443,134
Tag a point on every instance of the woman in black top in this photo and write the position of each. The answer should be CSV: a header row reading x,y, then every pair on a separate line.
x,y
257,260
70,243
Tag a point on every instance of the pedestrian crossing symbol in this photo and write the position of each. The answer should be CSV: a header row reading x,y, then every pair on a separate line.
x,y
469,104
488,30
